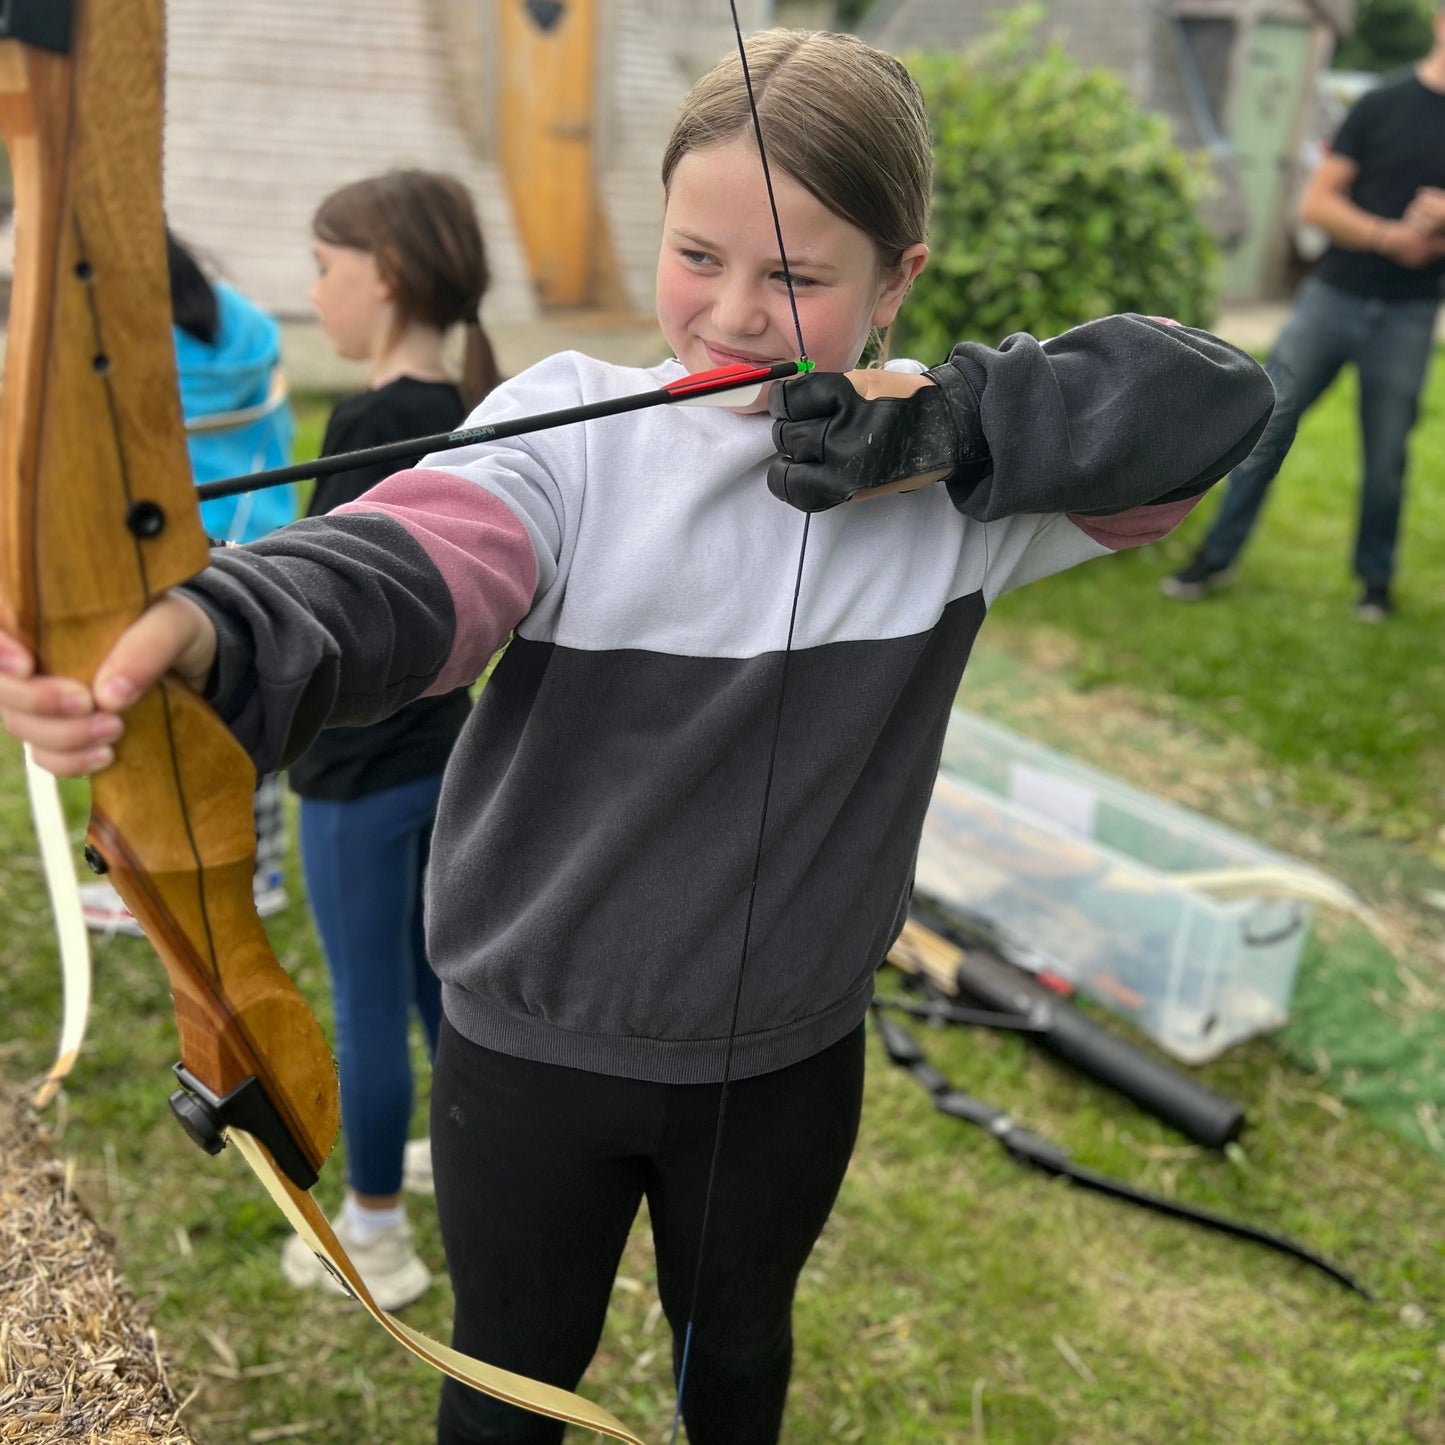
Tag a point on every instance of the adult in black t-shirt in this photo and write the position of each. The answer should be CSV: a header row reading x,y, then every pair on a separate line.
x,y
1371,301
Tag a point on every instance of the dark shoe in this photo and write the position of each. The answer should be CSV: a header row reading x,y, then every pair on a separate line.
x,y
1196,581
1375,605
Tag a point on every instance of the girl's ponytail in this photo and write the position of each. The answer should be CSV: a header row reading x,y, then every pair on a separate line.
x,y
479,363
422,228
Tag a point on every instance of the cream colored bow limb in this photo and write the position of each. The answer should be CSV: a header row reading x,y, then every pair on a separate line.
x,y
1302,885
311,1224
58,863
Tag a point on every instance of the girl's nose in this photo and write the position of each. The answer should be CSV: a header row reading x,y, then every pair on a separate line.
x,y
741,309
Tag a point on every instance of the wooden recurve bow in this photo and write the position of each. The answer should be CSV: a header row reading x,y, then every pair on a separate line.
x,y
98,518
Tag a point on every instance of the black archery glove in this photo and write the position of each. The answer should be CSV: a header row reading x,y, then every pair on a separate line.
x,y
833,443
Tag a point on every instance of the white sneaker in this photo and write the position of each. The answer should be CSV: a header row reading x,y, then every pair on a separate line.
x,y
388,1262
269,889
104,911
416,1177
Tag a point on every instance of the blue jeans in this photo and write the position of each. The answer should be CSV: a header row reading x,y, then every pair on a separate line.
x,y
364,861
1390,343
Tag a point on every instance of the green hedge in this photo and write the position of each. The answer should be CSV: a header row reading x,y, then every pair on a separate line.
x,y
1056,199
1388,34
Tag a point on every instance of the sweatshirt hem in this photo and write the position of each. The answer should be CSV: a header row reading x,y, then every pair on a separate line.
x,y
658,1061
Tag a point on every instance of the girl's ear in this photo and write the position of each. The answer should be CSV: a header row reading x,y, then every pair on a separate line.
x,y
912,261
387,270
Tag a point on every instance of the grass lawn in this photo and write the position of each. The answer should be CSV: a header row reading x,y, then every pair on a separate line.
x,y
954,1297
1356,714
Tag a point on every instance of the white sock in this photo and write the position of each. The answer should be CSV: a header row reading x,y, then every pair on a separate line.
x,y
363,1225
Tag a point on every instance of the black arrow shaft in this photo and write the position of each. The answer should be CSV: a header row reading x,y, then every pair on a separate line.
x,y
472,436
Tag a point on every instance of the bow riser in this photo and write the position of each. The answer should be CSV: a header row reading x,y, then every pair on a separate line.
x,y
101,518
94,399
30,82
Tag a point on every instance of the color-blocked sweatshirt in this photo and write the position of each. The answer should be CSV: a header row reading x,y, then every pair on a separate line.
x,y
595,843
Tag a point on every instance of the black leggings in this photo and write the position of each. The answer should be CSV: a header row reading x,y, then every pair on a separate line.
x,y
539,1173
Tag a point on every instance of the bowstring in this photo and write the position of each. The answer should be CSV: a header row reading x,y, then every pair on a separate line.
x,y
768,178
770,773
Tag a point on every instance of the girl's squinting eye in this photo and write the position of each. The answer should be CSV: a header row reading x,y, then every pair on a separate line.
x,y
798,283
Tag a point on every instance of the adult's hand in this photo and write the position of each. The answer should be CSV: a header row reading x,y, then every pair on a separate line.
x,y
71,728
862,433
1407,245
1427,211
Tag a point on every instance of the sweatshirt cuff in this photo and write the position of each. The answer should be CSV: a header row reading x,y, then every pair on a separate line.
x,y
233,674
959,382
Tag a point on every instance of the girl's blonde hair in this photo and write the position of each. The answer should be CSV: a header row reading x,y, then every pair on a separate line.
x,y
846,121
422,229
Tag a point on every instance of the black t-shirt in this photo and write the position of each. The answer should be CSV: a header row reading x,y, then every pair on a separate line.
x,y
415,742
1396,136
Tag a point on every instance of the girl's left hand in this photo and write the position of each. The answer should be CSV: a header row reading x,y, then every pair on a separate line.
x,y
72,729
859,434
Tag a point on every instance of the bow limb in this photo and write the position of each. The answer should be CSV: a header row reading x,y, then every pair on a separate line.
x,y
60,882
306,1218
98,518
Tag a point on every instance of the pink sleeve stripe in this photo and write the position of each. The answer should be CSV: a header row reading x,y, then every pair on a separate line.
x,y
481,549
1136,527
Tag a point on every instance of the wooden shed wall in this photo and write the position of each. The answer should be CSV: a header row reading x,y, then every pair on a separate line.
x,y
273,103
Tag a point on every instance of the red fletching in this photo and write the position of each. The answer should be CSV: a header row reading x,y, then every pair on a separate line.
x,y
722,378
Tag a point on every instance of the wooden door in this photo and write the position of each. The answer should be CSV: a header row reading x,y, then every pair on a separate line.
x,y
548,53
1268,112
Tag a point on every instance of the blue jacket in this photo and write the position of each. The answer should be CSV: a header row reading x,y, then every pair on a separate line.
x,y
234,373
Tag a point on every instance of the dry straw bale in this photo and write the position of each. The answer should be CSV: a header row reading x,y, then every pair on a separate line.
x,y
78,1363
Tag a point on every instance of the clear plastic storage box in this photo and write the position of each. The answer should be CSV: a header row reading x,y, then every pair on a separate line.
x,y
1091,878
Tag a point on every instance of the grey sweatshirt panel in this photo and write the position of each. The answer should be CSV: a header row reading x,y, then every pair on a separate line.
x,y
601,819
330,622
594,846
1112,414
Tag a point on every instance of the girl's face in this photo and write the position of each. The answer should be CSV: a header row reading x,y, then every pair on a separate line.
x,y
352,300
722,296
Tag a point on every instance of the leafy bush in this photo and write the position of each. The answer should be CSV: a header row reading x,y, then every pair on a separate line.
x,y
1056,200
1387,34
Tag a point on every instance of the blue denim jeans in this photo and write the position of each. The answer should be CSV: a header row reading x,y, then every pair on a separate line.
x,y
1390,343
364,861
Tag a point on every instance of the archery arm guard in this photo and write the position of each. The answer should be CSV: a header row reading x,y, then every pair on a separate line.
x,y
1119,413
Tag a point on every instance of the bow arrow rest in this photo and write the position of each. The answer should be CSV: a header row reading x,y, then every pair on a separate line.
x,y
700,388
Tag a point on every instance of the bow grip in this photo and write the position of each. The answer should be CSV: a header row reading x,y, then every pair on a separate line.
x,y
99,517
